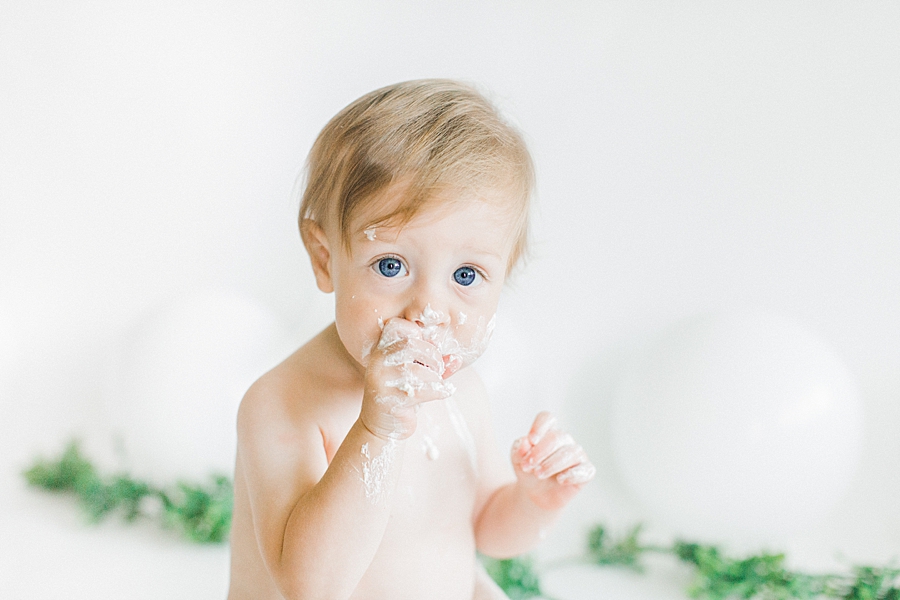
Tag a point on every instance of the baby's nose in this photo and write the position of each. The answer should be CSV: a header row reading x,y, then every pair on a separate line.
x,y
429,317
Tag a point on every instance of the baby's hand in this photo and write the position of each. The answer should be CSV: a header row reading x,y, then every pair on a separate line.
x,y
549,464
403,371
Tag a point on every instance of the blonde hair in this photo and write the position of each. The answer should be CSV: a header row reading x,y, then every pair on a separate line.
x,y
436,137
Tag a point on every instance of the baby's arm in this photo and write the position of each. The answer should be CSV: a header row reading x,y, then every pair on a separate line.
x,y
319,525
550,469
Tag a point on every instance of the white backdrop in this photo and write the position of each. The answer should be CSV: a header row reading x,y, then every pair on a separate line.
x,y
690,156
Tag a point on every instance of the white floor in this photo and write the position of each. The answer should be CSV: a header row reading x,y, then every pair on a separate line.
x,y
49,552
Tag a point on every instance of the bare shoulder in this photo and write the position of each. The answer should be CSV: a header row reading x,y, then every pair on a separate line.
x,y
290,423
309,394
277,426
279,407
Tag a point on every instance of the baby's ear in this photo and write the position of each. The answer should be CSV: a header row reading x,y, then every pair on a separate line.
x,y
319,250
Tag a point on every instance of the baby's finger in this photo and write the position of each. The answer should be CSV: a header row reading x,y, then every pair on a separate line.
x,y
543,423
452,364
410,351
397,329
427,355
552,441
420,382
564,458
577,475
519,449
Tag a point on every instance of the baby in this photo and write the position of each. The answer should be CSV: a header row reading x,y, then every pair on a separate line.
x,y
366,464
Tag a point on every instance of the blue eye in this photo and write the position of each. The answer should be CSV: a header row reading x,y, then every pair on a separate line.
x,y
390,266
465,276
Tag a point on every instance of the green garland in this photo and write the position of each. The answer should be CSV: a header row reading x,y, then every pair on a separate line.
x,y
203,514
716,576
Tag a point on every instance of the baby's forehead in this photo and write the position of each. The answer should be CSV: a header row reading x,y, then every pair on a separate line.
x,y
477,230
453,224
393,211
390,224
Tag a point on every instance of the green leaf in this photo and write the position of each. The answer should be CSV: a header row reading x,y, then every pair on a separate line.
x,y
872,583
203,514
515,576
69,473
604,550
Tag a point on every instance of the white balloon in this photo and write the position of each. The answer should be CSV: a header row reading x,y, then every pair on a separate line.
x,y
178,379
737,426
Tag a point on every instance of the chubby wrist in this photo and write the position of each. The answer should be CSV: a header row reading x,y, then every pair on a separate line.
x,y
383,435
532,502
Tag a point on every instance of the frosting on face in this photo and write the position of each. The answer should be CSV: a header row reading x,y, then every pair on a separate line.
x,y
445,269
460,344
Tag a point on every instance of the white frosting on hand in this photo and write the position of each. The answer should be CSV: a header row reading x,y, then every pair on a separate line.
x,y
375,470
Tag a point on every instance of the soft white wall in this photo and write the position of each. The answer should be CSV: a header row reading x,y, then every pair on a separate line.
x,y
689,156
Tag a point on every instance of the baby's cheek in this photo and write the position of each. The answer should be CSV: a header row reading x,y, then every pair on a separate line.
x,y
367,333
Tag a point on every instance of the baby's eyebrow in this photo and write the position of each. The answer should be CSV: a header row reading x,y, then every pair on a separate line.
x,y
376,230
483,252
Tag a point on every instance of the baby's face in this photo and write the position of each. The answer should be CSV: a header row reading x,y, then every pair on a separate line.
x,y
443,271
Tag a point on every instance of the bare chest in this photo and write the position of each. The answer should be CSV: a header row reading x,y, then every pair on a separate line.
x,y
440,468
429,542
